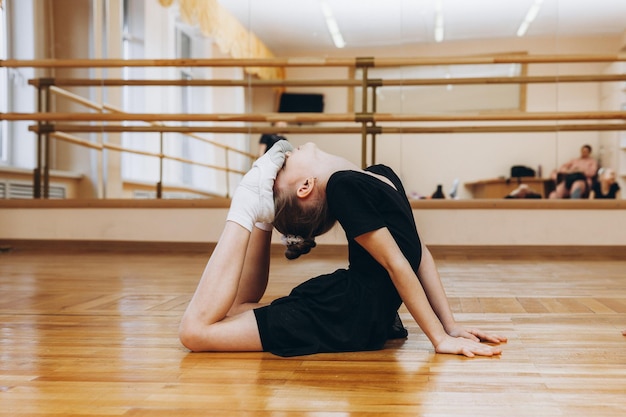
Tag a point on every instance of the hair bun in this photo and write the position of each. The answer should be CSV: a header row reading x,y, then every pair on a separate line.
x,y
297,245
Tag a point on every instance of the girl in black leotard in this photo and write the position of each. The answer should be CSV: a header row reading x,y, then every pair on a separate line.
x,y
605,187
347,310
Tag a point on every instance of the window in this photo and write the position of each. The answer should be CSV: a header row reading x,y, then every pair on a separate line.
x,y
136,167
18,34
165,39
184,51
4,87
139,38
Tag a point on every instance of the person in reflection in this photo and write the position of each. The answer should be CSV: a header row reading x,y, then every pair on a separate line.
x,y
267,140
304,192
574,178
523,191
605,187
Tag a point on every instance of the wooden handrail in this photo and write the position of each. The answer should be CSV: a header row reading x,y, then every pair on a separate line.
x,y
531,79
553,127
316,62
110,82
78,128
498,59
528,79
308,117
121,63
591,127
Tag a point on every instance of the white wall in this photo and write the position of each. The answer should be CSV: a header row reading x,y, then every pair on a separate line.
x,y
422,161
437,226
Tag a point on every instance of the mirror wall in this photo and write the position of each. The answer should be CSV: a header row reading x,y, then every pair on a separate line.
x,y
428,159
135,29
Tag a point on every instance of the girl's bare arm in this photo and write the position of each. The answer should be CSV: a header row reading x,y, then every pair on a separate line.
x,y
381,245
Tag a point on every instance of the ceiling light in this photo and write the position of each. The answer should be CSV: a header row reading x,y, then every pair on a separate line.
x,y
530,16
331,24
439,20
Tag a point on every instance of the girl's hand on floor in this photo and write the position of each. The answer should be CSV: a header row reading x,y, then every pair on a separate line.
x,y
467,347
476,335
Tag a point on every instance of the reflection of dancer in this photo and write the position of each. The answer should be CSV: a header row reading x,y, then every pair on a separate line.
x,y
605,187
351,309
523,191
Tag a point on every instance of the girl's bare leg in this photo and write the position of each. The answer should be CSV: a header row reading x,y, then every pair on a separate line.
x,y
560,191
254,276
205,325
236,274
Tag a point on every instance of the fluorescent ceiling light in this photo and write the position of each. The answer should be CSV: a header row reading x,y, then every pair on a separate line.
x,y
530,16
439,20
331,24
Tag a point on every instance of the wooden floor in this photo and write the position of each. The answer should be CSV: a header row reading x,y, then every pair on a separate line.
x,y
86,333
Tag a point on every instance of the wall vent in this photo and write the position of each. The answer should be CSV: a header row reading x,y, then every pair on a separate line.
x,y
24,190
143,195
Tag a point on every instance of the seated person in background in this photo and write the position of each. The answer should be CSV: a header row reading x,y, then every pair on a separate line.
x,y
523,191
267,140
574,178
605,186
